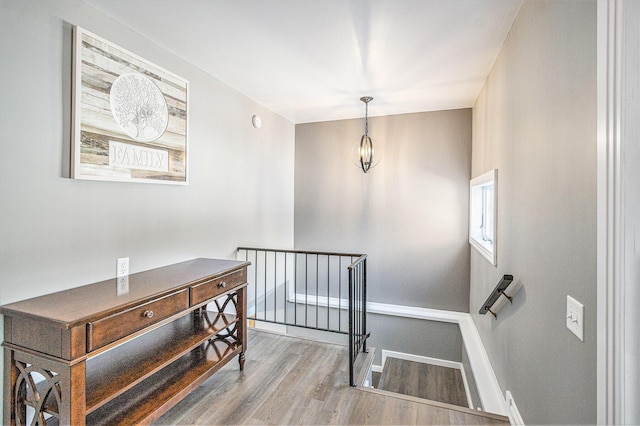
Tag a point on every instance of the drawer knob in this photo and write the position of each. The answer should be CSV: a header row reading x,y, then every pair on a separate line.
x,y
223,284
148,314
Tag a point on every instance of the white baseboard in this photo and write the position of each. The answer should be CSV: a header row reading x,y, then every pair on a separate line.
x,y
514,415
267,326
418,358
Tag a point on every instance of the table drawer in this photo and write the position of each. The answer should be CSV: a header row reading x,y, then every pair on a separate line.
x,y
210,289
116,326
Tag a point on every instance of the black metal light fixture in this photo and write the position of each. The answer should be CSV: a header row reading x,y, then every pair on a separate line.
x,y
365,157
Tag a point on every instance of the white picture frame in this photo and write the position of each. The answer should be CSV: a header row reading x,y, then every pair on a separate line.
x,y
130,116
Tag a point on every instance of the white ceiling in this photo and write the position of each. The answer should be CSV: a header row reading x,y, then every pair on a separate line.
x,y
312,60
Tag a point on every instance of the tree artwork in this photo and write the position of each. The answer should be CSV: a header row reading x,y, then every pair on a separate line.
x,y
139,107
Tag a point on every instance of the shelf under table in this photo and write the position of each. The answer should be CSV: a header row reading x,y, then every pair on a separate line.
x,y
149,399
120,369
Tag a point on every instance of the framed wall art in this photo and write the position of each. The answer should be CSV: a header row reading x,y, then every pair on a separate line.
x,y
130,116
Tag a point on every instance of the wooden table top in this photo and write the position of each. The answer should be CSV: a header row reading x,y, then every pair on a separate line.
x,y
72,307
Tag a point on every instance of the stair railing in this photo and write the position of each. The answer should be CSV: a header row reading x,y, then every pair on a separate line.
x,y
310,289
357,312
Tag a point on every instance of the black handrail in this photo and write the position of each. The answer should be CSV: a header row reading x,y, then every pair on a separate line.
x,y
323,253
305,289
498,291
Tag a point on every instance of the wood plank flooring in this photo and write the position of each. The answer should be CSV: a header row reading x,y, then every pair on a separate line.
x,y
294,381
422,380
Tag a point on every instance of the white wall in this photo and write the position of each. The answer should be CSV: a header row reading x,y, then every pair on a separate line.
x,y
535,121
57,233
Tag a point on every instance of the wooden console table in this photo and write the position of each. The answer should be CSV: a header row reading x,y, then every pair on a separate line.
x,y
123,351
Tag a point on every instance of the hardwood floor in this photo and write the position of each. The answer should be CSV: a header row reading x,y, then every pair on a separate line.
x,y
422,380
294,381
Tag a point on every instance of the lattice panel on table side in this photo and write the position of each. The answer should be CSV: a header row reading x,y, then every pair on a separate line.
x,y
227,314
37,394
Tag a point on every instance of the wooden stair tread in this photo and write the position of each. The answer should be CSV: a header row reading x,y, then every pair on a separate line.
x,y
421,380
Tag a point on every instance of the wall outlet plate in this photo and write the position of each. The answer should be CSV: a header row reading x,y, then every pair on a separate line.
x,y
122,267
123,285
575,317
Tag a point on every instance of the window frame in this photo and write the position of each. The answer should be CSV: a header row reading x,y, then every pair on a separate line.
x,y
479,198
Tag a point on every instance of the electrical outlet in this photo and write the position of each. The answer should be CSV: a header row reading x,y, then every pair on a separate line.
x,y
122,267
575,317
123,285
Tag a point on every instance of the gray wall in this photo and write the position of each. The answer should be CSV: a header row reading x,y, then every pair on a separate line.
x,y
433,339
409,214
57,233
535,121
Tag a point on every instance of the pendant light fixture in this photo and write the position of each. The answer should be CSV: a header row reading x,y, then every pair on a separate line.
x,y
365,156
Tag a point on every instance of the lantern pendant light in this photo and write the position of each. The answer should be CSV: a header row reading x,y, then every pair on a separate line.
x,y
366,146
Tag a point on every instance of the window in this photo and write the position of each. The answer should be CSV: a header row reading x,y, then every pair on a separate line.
x,y
483,192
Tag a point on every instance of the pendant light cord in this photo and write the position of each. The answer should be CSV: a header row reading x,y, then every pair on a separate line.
x,y
366,118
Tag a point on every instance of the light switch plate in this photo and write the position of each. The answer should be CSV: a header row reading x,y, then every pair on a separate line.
x,y
575,317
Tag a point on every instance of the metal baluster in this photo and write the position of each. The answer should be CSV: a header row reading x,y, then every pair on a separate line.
x,y
351,381
328,292
285,288
340,293
306,287
357,309
255,286
275,286
295,289
265,284
364,305
317,295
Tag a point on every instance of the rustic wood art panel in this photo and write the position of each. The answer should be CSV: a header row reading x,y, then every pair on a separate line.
x,y
130,116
